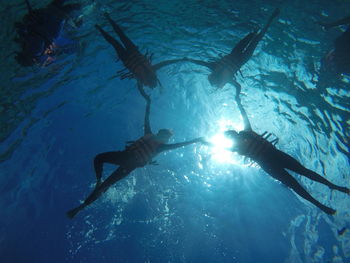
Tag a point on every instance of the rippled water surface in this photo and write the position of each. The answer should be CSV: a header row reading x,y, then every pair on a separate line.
x,y
196,206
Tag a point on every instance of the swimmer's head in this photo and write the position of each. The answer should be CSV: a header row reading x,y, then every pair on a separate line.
x,y
164,135
219,78
147,75
231,134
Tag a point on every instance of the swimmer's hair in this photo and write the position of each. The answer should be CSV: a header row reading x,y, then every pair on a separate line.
x,y
166,132
231,133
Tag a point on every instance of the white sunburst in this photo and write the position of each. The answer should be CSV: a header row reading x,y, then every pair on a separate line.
x,y
221,144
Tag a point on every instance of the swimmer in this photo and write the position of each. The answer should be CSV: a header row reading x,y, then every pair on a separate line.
x,y
38,31
275,162
138,65
137,154
223,70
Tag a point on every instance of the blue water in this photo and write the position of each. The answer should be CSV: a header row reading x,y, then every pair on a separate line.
x,y
196,206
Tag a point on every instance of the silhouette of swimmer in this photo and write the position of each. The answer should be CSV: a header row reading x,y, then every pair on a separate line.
x,y
38,31
223,70
338,59
275,162
136,154
138,65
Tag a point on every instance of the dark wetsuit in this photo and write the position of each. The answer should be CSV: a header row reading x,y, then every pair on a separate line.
x,y
38,31
224,69
275,162
137,154
138,65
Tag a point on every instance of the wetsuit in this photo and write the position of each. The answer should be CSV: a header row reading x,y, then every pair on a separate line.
x,y
138,65
137,154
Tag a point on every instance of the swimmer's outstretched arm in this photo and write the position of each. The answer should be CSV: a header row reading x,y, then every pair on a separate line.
x,y
209,144
167,147
147,126
343,21
199,62
247,126
167,62
237,85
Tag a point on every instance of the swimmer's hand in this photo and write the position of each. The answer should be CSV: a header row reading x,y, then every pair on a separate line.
x,y
325,26
203,141
153,163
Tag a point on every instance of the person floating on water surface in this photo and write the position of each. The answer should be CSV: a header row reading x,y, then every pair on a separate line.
x,y
38,32
275,162
223,70
338,59
137,154
138,65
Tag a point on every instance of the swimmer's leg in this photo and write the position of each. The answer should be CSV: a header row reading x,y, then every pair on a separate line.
x,y
249,50
284,177
275,13
242,44
117,175
292,164
108,157
125,40
241,53
117,46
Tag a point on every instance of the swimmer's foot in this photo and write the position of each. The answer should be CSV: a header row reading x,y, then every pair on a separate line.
x,y
329,211
72,213
98,183
342,189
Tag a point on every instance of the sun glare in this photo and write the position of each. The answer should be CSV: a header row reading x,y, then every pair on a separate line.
x,y
221,144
